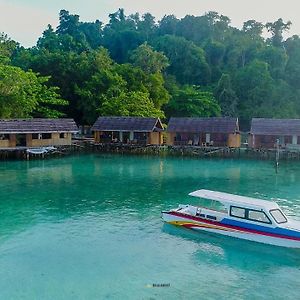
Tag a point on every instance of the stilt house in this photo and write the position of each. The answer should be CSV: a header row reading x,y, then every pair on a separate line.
x,y
214,132
36,132
128,130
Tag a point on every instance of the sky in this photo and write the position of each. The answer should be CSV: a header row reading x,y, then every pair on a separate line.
x,y
25,20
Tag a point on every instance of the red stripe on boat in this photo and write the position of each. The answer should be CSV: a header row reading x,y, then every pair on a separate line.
x,y
232,226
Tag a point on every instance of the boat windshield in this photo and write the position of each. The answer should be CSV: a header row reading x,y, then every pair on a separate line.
x,y
213,205
278,216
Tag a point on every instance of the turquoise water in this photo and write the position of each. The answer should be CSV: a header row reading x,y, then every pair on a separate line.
x,y
89,227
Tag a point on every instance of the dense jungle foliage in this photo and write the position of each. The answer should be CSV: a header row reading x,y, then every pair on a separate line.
x,y
137,66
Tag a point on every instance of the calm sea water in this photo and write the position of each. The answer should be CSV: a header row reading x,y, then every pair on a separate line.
x,y
89,227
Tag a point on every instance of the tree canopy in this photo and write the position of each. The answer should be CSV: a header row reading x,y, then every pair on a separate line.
x,y
136,65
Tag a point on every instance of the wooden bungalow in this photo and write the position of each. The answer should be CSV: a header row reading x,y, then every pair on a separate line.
x,y
216,132
128,130
36,132
264,133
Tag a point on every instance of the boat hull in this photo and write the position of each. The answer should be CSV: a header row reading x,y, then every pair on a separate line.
x,y
232,231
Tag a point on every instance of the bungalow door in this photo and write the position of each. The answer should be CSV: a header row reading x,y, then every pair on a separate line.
x,y
21,140
207,138
295,140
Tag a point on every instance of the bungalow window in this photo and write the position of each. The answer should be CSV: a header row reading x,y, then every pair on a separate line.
x,y
278,216
36,136
62,135
238,212
46,136
258,216
4,137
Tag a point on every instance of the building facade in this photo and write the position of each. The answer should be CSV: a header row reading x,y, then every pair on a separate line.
x,y
214,132
128,130
268,133
31,133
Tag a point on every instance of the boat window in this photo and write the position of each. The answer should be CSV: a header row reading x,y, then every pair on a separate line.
x,y
211,217
237,212
278,216
258,216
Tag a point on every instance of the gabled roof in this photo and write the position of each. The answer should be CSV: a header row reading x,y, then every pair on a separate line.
x,y
208,125
37,125
230,199
262,126
139,124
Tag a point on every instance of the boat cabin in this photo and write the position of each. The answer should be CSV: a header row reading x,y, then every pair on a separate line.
x,y
239,208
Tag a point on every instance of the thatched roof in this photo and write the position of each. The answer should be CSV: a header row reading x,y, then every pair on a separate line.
x,y
260,126
138,124
37,125
205,125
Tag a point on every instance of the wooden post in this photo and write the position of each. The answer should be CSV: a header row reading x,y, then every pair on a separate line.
x,y
277,156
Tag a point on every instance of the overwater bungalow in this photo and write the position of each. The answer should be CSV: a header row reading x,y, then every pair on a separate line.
x,y
36,132
266,133
214,132
128,130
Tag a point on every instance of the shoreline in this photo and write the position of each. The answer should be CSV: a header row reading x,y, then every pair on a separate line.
x,y
87,146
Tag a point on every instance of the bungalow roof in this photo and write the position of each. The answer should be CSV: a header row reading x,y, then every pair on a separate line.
x,y
37,125
261,126
138,124
207,125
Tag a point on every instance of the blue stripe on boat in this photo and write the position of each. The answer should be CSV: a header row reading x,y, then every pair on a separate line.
x,y
277,230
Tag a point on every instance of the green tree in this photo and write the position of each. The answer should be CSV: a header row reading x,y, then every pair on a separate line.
x,y
130,104
192,102
7,48
277,29
253,29
25,94
149,60
226,96
292,70
168,25
187,61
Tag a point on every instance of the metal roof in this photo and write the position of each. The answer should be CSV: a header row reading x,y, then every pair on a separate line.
x,y
139,124
230,199
37,125
207,125
262,126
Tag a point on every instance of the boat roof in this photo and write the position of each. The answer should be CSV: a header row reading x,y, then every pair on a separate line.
x,y
231,199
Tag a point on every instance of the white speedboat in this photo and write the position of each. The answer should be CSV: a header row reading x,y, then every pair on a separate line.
x,y
240,217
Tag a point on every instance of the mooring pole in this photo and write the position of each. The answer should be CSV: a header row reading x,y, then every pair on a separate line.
x,y
277,156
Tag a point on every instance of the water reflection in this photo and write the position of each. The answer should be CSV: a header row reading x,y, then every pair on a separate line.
x,y
244,255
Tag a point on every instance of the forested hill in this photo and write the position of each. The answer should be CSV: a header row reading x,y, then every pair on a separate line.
x,y
135,65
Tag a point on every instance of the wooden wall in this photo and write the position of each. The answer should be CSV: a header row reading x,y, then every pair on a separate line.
x,y
97,136
170,136
54,141
4,143
270,141
234,140
155,138
10,143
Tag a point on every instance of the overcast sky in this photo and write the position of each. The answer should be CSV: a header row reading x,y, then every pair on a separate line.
x,y
25,20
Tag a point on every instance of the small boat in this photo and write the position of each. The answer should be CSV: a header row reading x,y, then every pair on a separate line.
x,y
241,217
42,150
